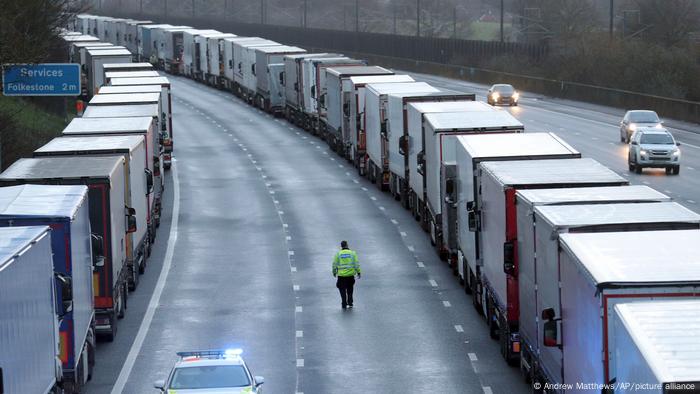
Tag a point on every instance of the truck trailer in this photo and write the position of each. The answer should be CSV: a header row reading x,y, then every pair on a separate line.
x,y
598,272
268,76
190,50
216,60
96,58
104,177
230,62
65,210
138,183
293,77
29,327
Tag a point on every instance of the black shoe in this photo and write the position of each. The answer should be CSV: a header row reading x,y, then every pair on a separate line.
x,y
343,306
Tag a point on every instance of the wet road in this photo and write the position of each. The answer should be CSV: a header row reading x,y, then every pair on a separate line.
x,y
262,207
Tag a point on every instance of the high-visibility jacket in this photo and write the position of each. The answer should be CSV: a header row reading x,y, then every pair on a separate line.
x,y
345,263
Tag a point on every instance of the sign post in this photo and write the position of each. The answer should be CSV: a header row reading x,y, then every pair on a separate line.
x,y
51,79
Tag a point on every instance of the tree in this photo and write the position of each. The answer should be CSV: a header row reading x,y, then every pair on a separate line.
x,y
669,21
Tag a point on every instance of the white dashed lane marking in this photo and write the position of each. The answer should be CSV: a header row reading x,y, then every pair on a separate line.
x,y
420,264
300,334
459,328
298,309
446,304
472,357
433,283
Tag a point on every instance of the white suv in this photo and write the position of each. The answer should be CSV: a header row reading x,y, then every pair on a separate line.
x,y
654,148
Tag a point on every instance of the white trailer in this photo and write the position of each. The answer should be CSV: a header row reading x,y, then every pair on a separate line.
x,y
170,48
215,59
498,182
29,326
527,201
65,209
377,126
599,271
203,68
335,92
130,126
293,82
353,124
96,58
118,67
191,50
147,44
125,99
656,347
82,23
166,133
138,181
230,62
313,82
101,32
470,152
129,74
264,57
132,36
104,177
398,137
244,75
78,52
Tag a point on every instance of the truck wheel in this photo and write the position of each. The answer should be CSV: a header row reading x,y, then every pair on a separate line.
x,y
493,326
121,306
134,278
637,169
676,170
109,336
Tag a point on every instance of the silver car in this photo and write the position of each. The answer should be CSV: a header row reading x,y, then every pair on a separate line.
x,y
502,94
209,372
636,119
654,148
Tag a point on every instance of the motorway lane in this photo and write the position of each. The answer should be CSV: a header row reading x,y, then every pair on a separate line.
x,y
594,131
263,207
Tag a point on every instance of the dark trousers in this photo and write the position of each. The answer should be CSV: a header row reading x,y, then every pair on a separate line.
x,y
345,285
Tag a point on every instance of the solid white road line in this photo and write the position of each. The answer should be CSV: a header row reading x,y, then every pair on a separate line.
x,y
157,292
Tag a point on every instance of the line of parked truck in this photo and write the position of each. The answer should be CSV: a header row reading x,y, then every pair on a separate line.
x,y
79,220
586,281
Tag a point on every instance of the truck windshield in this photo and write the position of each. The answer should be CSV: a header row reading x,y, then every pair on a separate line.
x,y
209,377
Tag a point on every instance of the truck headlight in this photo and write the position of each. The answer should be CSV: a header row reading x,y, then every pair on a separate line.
x,y
642,152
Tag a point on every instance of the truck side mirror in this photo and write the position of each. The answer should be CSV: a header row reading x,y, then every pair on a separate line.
x,y
550,328
421,162
159,384
509,258
403,145
449,186
471,216
130,220
98,258
149,181
66,286
382,129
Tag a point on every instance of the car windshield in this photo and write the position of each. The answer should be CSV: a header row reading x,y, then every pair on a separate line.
x,y
644,117
656,139
209,377
503,88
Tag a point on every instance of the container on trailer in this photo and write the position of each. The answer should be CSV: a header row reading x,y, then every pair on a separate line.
x,y
96,58
333,96
472,150
293,77
78,52
80,38
166,134
102,28
313,79
275,73
138,185
243,76
554,221
170,48
104,177
144,126
264,57
215,59
82,23
399,141
130,74
148,46
527,201
127,98
203,70
498,183
229,59
353,109
132,36
118,67
599,271
656,346
65,210
190,50
377,125
28,328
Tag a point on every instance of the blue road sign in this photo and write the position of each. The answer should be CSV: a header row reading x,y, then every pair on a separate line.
x,y
51,79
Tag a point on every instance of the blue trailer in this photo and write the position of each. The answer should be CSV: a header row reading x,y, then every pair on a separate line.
x,y
65,210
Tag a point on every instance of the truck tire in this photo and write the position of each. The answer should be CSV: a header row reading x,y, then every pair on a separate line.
x,y
676,170
109,336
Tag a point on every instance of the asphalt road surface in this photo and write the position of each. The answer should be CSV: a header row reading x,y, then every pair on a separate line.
x,y
246,262
262,208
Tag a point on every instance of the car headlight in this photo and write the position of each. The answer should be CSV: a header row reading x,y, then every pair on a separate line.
x,y
516,96
643,152
659,126
495,95
676,152
633,126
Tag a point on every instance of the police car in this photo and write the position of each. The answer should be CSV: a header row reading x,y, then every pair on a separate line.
x,y
210,372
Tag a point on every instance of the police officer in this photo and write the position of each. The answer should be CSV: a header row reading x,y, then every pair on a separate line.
x,y
345,266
